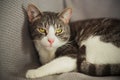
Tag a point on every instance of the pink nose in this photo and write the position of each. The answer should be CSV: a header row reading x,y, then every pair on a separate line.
x,y
50,41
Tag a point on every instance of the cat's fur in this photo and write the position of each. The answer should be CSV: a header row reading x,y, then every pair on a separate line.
x,y
102,37
79,46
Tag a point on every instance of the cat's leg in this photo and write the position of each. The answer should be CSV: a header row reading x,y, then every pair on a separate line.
x,y
99,69
81,57
56,66
95,69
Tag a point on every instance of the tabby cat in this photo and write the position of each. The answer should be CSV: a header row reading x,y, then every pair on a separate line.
x,y
89,46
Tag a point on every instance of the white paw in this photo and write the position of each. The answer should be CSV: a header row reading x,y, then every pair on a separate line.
x,y
33,73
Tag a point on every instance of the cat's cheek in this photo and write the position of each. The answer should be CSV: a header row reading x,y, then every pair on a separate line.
x,y
58,43
44,42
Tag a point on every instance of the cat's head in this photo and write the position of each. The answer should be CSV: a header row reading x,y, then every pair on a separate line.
x,y
50,28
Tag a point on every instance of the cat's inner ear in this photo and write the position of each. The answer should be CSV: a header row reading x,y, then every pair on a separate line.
x,y
65,15
33,12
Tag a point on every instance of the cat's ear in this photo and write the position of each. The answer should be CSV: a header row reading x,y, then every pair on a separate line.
x,y
65,15
33,12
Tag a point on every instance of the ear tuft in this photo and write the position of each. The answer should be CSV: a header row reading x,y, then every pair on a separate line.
x,y
32,12
65,15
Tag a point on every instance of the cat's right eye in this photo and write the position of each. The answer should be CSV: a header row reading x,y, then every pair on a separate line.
x,y
41,30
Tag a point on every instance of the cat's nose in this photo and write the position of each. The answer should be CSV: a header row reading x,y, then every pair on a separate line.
x,y
50,41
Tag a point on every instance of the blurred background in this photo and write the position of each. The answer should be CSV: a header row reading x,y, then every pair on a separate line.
x,y
82,9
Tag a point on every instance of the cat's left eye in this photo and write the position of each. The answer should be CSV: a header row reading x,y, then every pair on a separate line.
x,y
59,31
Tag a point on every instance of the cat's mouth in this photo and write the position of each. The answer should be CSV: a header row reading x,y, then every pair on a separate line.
x,y
49,46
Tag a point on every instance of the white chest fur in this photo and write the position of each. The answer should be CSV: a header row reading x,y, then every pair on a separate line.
x,y
99,52
45,56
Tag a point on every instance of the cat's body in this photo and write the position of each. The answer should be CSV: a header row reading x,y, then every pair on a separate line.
x,y
100,40
80,46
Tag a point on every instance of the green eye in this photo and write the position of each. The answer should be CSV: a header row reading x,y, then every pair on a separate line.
x,y
59,31
42,30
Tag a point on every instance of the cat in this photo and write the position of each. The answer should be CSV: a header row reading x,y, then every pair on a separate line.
x,y
63,46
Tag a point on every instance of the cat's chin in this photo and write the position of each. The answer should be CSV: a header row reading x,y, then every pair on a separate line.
x,y
50,48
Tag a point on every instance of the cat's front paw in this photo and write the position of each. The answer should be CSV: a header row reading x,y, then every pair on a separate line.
x,y
33,73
